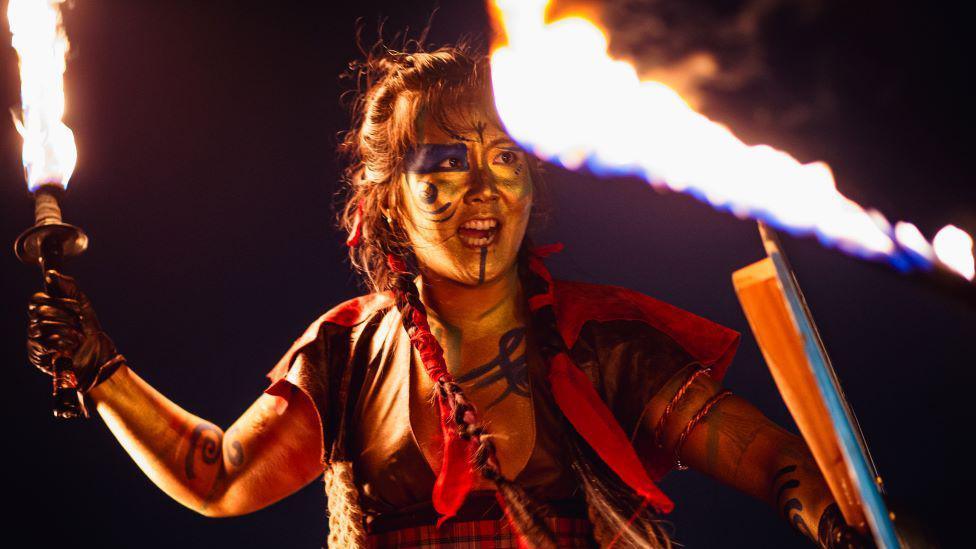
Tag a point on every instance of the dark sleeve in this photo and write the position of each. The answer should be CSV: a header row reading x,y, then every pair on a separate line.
x,y
311,367
630,362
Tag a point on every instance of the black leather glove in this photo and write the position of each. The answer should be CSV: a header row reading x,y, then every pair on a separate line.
x,y
911,531
63,322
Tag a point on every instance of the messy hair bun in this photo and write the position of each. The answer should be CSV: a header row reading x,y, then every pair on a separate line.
x,y
392,89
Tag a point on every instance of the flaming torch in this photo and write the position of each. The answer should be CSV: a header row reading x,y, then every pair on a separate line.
x,y
543,70
49,156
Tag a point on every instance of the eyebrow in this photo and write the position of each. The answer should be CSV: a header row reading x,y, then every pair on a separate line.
x,y
459,137
426,158
504,139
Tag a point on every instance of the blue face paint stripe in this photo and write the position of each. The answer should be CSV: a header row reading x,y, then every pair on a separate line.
x,y
427,158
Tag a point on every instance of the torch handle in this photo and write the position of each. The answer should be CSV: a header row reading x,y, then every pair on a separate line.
x,y
68,402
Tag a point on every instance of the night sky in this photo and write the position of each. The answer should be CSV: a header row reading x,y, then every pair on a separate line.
x,y
206,180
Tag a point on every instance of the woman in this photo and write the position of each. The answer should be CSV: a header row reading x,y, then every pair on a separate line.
x,y
471,398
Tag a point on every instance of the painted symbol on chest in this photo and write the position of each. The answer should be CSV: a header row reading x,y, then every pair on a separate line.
x,y
514,371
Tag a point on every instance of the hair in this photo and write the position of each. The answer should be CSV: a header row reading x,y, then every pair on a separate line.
x,y
395,88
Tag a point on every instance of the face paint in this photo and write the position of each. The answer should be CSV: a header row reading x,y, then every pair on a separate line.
x,y
448,216
480,128
467,193
433,158
428,192
481,269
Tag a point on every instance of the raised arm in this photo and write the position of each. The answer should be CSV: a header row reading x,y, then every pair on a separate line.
x,y
733,442
272,450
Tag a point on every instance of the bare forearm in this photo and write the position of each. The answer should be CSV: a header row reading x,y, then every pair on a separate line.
x,y
800,493
273,449
735,444
787,477
179,452
747,451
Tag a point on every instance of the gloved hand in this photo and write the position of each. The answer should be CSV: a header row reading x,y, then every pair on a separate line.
x,y
64,322
911,531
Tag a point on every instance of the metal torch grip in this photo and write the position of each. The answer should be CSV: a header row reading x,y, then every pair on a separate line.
x,y
68,402
45,245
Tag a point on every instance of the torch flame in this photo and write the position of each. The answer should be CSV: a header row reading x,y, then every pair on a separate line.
x,y
955,249
49,152
562,96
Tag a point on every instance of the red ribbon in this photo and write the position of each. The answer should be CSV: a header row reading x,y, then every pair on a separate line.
x,y
546,250
574,394
356,233
577,398
536,255
456,477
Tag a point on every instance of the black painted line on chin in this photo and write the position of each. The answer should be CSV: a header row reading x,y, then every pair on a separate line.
x,y
439,210
481,269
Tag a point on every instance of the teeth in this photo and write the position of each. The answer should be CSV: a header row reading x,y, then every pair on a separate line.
x,y
480,224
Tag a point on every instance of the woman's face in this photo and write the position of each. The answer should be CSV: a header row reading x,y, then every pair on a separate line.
x,y
467,198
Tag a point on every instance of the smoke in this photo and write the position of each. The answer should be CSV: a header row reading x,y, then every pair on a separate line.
x,y
700,48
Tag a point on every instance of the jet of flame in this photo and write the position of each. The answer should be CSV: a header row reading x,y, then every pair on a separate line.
x,y
562,96
49,152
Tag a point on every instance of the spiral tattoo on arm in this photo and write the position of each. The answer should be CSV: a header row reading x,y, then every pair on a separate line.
x,y
209,438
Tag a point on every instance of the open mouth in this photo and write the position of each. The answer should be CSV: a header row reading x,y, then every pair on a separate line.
x,y
478,233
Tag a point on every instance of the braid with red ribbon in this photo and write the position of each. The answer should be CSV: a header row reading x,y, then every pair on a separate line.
x,y
467,443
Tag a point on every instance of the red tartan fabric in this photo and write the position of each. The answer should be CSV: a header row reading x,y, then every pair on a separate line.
x,y
482,534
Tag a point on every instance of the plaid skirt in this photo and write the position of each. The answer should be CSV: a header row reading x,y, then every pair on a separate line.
x,y
482,534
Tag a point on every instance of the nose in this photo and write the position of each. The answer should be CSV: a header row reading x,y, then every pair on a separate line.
x,y
483,188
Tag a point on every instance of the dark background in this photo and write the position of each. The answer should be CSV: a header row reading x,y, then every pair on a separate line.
x,y
206,135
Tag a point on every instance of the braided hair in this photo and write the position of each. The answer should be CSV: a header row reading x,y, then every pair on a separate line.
x,y
394,86
524,514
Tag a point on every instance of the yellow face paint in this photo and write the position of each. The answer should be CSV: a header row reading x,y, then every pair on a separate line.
x,y
467,197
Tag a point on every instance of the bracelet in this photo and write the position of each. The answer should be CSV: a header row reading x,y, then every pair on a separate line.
x,y
700,415
659,428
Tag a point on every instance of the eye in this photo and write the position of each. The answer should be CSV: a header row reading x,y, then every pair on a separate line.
x,y
506,158
450,162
